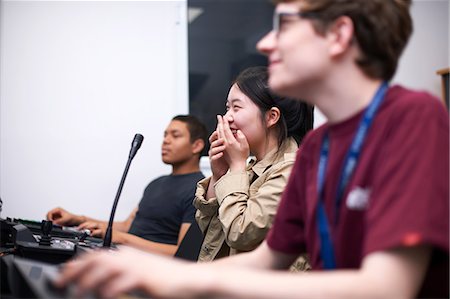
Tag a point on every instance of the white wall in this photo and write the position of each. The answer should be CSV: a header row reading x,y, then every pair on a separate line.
x,y
428,49
78,80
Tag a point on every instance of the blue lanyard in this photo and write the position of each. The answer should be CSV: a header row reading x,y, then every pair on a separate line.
x,y
351,159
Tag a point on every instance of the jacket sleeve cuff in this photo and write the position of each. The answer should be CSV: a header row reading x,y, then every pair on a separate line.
x,y
232,182
206,206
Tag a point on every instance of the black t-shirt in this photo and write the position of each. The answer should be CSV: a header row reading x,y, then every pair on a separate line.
x,y
165,205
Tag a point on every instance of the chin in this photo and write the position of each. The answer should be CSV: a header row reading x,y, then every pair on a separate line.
x,y
280,87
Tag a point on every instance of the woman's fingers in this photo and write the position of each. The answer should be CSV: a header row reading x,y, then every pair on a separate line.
x,y
214,136
216,146
228,135
220,126
216,156
240,137
217,142
224,131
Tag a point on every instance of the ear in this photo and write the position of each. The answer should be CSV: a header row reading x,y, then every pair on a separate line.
x,y
197,146
272,116
340,35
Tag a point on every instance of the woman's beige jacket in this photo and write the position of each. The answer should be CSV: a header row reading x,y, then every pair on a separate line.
x,y
241,214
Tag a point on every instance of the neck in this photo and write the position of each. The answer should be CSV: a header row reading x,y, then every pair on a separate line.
x,y
186,167
270,143
343,92
340,100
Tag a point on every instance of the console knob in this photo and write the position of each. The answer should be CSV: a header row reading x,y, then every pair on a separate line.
x,y
46,227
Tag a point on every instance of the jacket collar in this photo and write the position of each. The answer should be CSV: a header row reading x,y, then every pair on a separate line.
x,y
271,158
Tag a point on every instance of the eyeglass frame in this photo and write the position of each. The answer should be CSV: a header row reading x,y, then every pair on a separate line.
x,y
276,19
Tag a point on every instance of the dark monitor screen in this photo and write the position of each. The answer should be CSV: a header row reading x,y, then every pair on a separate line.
x,y
222,37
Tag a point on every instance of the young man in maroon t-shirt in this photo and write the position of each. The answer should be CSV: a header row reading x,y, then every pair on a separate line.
x,y
368,198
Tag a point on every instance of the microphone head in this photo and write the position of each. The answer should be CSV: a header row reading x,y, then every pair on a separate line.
x,y
135,145
137,141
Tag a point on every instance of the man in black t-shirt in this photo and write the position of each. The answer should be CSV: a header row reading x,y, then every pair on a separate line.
x,y
165,206
165,211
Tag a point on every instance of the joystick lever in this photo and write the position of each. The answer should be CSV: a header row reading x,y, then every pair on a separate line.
x,y
46,228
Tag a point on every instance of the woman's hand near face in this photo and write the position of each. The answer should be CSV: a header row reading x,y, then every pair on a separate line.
x,y
219,166
236,149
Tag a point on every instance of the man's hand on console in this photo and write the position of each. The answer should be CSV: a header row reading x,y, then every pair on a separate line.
x,y
60,216
97,228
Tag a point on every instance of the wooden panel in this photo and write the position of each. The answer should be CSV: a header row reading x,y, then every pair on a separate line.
x,y
444,73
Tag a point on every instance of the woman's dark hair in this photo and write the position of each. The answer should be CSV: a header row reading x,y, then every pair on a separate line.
x,y
296,117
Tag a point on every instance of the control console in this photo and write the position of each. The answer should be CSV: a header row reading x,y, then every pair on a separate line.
x,y
41,247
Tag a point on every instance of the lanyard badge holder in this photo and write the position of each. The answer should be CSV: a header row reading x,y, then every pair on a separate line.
x,y
351,159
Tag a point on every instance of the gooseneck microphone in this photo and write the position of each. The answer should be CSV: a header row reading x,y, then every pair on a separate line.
x,y
135,145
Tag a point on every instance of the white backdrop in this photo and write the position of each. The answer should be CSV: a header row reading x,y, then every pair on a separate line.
x,y
78,80
428,48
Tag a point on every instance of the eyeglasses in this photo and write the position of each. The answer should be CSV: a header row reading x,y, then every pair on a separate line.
x,y
280,17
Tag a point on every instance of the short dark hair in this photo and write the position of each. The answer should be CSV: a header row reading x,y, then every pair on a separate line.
x,y
296,117
196,128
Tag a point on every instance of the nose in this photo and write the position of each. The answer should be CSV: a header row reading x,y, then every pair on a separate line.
x,y
166,139
229,116
267,43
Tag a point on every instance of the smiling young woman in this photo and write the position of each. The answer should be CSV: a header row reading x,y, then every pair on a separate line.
x,y
237,204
